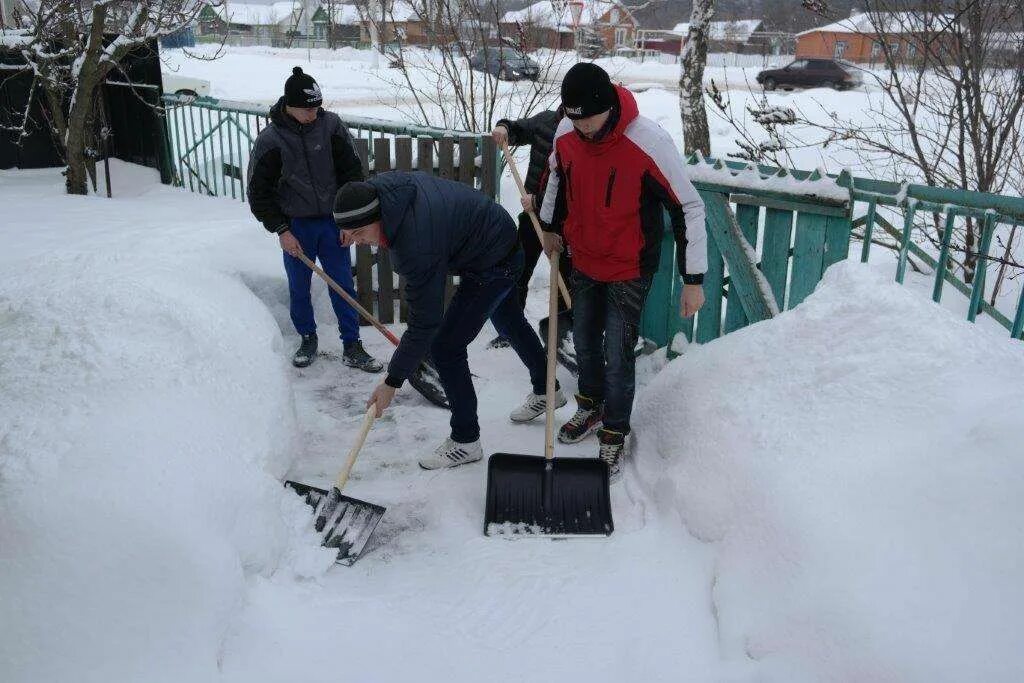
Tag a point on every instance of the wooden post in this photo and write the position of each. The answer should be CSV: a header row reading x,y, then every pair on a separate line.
x,y
489,182
385,275
808,254
467,160
425,154
403,153
747,216
744,278
778,233
446,159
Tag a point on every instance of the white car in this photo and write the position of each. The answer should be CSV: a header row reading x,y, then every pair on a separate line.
x,y
185,85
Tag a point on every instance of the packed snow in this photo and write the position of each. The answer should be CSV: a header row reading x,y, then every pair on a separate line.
x,y
832,495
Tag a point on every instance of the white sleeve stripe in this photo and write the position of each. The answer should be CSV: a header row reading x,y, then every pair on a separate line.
x,y
657,144
547,209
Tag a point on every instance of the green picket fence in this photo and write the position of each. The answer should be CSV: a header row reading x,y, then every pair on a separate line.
x,y
209,141
795,224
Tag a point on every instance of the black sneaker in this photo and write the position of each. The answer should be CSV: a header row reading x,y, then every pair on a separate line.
x,y
306,352
355,356
613,450
587,419
499,342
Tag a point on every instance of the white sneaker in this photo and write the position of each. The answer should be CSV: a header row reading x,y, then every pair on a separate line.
x,y
452,454
535,405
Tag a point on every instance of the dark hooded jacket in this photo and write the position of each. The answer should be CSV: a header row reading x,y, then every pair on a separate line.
x,y
433,227
295,170
538,132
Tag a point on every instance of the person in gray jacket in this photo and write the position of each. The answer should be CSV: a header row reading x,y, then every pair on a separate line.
x,y
297,165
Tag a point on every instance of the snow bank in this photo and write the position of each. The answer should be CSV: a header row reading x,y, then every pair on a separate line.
x,y
856,465
146,421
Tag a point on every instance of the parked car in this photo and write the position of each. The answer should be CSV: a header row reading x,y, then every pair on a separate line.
x,y
506,63
812,73
184,85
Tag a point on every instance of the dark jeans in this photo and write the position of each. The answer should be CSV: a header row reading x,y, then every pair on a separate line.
x,y
480,296
319,239
532,251
606,324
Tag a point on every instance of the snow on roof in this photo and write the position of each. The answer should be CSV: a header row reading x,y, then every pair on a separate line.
x,y
738,31
886,22
402,11
542,14
1006,41
258,15
345,15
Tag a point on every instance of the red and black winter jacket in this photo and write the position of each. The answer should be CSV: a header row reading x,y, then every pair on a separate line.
x,y
607,198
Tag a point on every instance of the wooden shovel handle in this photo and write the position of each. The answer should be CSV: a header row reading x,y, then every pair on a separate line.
x,y
348,298
371,415
534,220
549,418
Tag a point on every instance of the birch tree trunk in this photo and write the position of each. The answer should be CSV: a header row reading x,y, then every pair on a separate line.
x,y
696,135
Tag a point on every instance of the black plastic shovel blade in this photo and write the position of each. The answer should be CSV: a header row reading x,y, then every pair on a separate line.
x,y
345,523
427,382
528,495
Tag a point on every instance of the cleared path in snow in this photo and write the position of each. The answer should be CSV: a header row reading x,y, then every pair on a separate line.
x,y
434,598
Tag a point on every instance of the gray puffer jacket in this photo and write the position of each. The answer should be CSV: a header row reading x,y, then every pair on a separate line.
x,y
295,170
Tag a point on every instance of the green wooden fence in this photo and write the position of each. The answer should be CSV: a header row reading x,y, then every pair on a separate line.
x,y
209,141
795,224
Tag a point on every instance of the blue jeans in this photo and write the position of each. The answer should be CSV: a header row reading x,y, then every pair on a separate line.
x,y
319,239
606,325
479,296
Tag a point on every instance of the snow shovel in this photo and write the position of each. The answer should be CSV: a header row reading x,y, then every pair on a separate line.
x,y
529,495
425,380
346,523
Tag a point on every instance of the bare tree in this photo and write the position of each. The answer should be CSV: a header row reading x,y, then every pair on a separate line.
x,y
71,46
696,136
944,105
434,69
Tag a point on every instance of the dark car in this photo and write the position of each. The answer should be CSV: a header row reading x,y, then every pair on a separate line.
x,y
506,63
812,73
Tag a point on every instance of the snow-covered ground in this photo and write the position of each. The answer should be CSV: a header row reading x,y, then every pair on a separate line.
x,y
833,495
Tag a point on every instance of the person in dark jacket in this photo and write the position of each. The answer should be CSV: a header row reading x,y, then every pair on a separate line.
x,y
538,132
614,174
432,227
296,167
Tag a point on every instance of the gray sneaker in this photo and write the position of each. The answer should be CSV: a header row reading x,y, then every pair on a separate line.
x,y
614,448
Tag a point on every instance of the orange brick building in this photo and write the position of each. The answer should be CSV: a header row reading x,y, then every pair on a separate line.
x,y
861,37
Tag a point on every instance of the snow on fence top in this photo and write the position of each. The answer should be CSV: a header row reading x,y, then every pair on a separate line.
x,y
15,37
817,185
725,31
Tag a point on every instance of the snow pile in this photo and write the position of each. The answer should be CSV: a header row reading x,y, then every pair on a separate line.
x,y
146,421
856,466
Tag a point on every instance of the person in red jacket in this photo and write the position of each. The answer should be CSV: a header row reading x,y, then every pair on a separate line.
x,y
613,175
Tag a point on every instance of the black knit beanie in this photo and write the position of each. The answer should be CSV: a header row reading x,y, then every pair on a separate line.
x,y
587,90
356,205
300,90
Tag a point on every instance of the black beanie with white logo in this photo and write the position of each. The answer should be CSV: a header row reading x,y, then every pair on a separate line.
x,y
300,90
587,90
